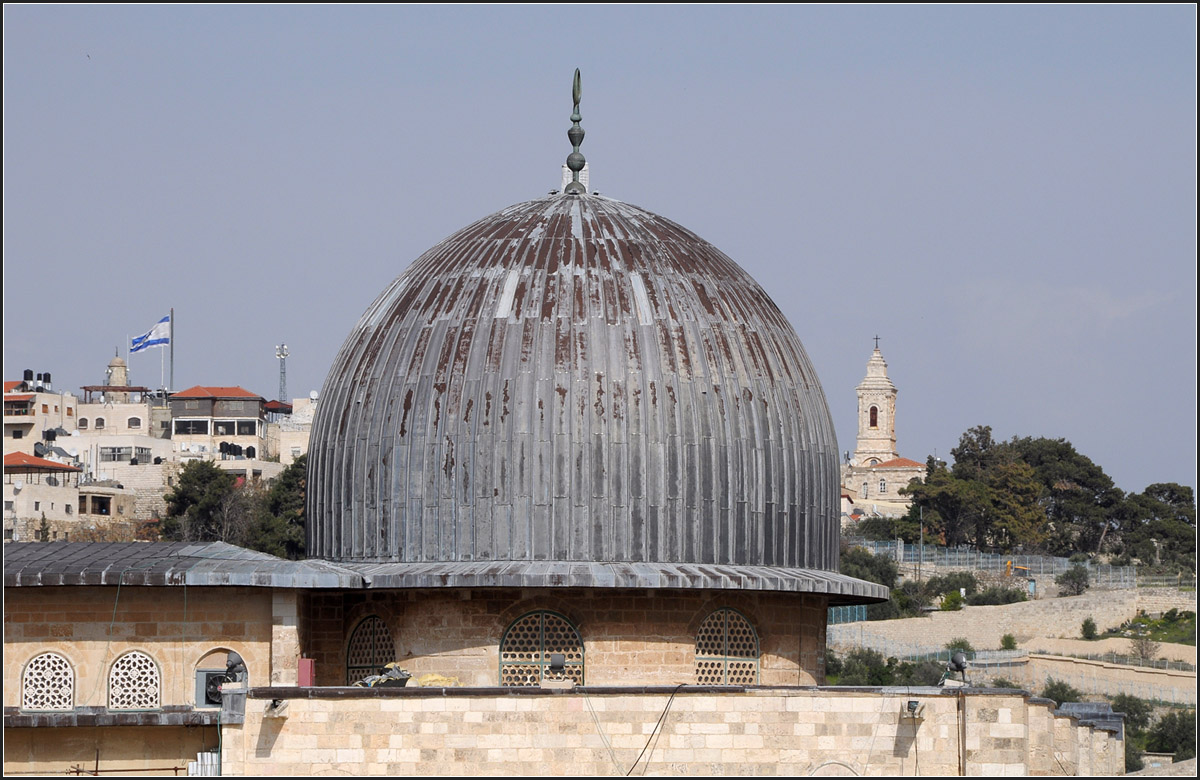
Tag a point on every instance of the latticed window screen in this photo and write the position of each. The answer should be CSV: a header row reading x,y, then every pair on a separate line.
x,y
48,684
726,650
370,649
528,643
134,683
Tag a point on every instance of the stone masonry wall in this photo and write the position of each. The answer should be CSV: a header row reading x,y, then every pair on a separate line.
x,y
985,626
175,626
768,731
643,637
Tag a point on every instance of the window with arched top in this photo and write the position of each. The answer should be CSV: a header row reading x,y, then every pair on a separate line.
x,y
864,493
134,683
874,417
369,650
48,684
726,650
529,643
882,486
133,423
83,423
99,424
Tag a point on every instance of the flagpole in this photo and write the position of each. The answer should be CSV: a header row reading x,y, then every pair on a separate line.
x,y
172,345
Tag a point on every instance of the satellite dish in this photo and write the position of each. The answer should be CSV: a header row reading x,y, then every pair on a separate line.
x,y
18,484
73,453
312,395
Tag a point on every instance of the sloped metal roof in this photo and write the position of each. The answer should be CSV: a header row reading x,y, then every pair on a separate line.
x,y
554,574
31,564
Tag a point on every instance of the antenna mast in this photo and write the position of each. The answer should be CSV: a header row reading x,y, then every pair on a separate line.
x,y
281,352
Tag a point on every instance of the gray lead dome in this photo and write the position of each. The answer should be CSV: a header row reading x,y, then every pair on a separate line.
x,y
575,379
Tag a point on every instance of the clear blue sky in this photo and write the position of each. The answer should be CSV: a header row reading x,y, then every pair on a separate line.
x,y
1005,195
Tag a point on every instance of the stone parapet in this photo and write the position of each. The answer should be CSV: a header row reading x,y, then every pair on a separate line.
x,y
680,730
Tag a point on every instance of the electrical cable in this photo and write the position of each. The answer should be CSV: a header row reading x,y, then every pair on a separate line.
x,y
600,731
661,719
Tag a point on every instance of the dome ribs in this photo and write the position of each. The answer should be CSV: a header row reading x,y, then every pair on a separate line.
x,y
574,379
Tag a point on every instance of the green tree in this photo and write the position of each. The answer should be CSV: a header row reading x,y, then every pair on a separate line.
x,y
207,506
1137,711
863,666
1080,502
42,534
1088,630
952,601
1074,581
1059,692
1175,733
1008,642
1158,526
959,643
953,581
278,527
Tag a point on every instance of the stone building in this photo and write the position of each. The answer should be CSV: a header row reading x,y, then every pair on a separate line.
x,y
874,473
35,415
571,469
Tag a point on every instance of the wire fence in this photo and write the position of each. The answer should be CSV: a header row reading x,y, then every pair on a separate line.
x,y
1014,666
1100,575
984,671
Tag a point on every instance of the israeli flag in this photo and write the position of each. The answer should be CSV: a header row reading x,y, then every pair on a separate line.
x,y
159,335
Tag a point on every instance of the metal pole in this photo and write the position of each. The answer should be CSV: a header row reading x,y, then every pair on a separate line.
x,y
172,384
921,556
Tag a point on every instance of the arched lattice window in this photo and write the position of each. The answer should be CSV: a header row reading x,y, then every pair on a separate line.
x,y
48,684
370,649
726,650
864,493
874,417
882,486
528,644
134,683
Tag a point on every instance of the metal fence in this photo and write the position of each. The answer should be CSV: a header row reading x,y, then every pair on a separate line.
x,y
1100,575
987,665
851,614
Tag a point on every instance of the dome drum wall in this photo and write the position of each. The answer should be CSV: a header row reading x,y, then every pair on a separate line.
x,y
574,379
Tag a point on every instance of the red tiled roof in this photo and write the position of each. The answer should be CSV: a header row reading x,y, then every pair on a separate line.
x,y
199,391
899,463
18,398
11,384
25,462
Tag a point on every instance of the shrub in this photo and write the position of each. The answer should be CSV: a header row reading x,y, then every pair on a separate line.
x,y
1078,558
1175,733
952,582
1074,581
1088,630
1002,682
864,666
833,665
1008,642
1137,711
1144,648
996,595
959,643
1059,692
952,601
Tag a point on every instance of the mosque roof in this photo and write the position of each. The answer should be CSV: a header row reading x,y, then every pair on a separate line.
x,y
28,564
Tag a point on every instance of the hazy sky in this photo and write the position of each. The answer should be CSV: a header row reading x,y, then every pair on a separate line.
x,y
1005,195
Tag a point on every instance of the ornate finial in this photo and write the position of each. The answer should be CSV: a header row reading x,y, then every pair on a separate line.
x,y
575,160
876,342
